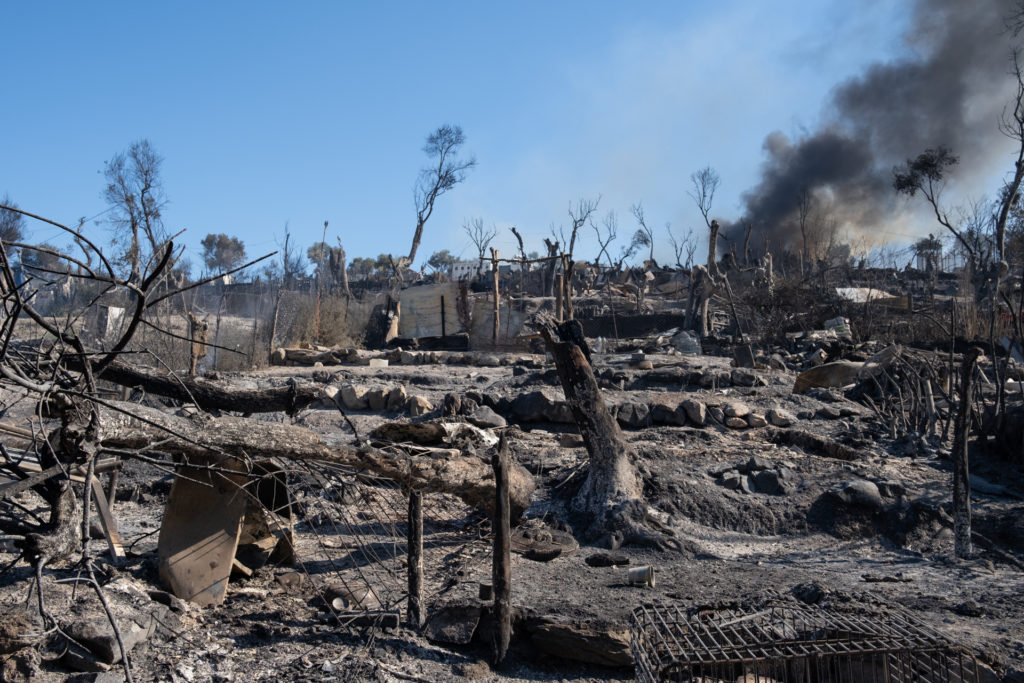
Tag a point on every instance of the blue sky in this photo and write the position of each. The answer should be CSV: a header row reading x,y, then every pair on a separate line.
x,y
267,113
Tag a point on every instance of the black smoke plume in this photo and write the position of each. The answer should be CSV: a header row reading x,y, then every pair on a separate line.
x,y
951,94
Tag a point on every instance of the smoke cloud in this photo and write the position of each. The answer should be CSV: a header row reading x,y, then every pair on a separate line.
x,y
951,93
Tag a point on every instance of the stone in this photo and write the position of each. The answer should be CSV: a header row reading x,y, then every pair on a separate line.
x,y
767,481
747,484
278,357
756,464
98,636
741,377
776,362
353,397
891,489
735,423
736,409
732,479
378,362
417,406
488,360
756,421
452,405
713,379
634,415
541,405
828,412
781,417
717,414
696,412
486,418
453,624
862,493
397,398
817,357
377,399
409,357
605,645
664,412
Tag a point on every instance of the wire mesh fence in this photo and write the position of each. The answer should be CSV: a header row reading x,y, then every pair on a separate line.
x,y
787,642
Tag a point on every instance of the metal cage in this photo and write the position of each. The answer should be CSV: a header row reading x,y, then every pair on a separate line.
x,y
791,642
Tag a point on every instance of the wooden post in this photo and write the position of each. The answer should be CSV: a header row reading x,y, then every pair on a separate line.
x,y
559,291
415,556
961,476
497,295
444,332
567,268
502,571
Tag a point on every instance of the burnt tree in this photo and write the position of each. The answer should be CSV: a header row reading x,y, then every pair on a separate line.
x,y
611,498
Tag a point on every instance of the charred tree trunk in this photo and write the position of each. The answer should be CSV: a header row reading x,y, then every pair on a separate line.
x,y
611,498
961,475
131,426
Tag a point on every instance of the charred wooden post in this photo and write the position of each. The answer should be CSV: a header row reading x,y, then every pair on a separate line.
x,y
415,554
444,329
567,268
559,291
961,475
494,275
502,568
198,330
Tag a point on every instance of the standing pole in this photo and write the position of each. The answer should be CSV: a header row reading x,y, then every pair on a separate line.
x,y
494,274
415,552
559,292
501,575
961,476
444,332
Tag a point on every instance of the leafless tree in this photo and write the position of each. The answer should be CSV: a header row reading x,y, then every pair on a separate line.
x,y
447,171
135,194
638,213
480,236
705,184
680,245
580,215
292,262
611,229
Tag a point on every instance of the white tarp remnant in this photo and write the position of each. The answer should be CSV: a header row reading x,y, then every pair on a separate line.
x,y
863,295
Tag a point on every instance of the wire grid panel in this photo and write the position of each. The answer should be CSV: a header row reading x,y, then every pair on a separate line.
x,y
791,642
351,536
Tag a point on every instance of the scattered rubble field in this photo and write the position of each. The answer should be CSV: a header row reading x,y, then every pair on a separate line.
x,y
769,495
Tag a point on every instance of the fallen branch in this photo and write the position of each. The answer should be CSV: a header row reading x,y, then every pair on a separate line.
x,y
470,478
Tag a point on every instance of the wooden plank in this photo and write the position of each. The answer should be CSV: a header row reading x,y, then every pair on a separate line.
x,y
199,534
107,521
502,568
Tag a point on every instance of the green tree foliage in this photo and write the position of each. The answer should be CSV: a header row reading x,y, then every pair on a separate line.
x,y
222,253
441,261
12,223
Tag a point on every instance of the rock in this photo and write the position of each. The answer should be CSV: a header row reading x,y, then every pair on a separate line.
x,y
397,398
541,406
570,441
756,464
776,362
417,405
735,423
736,409
696,412
781,417
634,415
817,357
742,377
664,412
836,374
487,418
377,399
713,379
756,421
378,362
488,360
717,414
861,493
891,489
353,397
767,481
828,412
291,581
732,479
278,357
97,635
409,357
747,484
